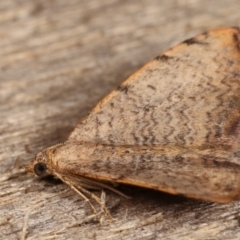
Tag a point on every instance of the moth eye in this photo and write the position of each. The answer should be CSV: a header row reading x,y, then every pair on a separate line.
x,y
40,169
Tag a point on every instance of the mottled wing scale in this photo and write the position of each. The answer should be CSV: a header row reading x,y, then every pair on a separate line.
x,y
188,96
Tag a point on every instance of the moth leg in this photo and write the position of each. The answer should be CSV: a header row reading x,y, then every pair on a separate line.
x,y
77,191
89,183
81,191
103,201
103,197
97,199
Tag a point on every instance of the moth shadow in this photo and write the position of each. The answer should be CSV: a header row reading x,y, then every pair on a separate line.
x,y
50,180
141,200
143,194
148,200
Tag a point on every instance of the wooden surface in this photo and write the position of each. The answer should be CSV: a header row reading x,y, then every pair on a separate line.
x,y
58,59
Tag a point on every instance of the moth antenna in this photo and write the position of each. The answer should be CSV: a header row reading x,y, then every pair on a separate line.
x,y
56,145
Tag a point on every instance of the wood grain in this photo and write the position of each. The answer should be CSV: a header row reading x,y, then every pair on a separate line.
x,y
58,59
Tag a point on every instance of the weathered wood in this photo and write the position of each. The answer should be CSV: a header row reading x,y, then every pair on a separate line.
x,y
58,59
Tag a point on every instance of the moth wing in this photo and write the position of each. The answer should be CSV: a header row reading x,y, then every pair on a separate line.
x,y
187,96
186,102
197,177
203,175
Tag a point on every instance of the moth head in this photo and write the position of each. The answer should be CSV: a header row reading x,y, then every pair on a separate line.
x,y
40,165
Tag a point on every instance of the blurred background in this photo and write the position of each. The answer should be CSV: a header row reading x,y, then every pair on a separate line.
x,y
59,58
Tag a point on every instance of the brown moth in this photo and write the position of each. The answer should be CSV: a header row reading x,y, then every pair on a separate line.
x,y
173,126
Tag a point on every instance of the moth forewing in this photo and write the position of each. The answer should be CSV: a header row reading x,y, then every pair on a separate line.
x,y
189,172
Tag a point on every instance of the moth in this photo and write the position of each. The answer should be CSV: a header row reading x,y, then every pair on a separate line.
x,y
173,126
